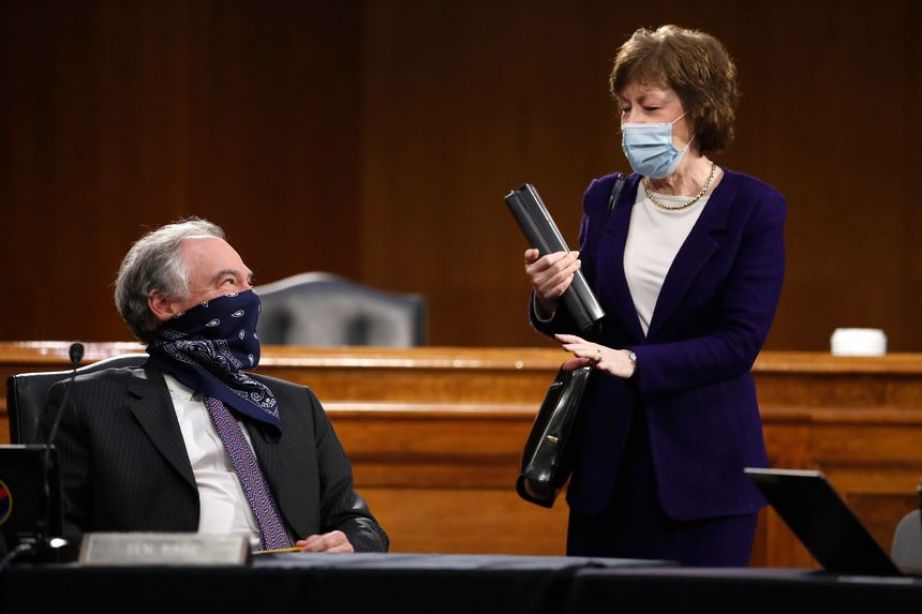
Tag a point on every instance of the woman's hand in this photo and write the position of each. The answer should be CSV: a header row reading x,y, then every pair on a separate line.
x,y
586,353
550,276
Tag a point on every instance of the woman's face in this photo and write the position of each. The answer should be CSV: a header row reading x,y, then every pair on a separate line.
x,y
645,103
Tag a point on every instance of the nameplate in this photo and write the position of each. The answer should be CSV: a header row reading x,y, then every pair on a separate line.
x,y
163,549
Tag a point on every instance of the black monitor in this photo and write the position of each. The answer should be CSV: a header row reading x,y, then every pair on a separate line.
x,y
822,521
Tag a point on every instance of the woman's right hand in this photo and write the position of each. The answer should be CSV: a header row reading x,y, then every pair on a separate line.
x,y
550,276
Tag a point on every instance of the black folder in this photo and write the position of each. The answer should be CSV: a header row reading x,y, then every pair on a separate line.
x,y
542,233
822,521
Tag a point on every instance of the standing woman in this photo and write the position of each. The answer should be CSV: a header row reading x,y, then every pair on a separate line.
x,y
688,266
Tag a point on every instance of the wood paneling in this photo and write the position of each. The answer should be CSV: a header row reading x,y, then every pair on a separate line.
x,y
434,435
117,117
377,139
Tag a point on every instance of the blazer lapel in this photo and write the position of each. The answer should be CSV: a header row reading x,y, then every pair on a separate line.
x,y
611,258
698,248
154,411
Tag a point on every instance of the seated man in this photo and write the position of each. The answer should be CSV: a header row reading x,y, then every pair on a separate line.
x,y
192,441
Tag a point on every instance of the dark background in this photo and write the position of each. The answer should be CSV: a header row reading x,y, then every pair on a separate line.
x,y
377,139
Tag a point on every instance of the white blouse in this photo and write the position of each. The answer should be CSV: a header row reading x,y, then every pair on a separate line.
x,y
654,237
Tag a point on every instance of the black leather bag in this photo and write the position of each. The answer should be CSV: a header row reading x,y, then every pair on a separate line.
x,y
546,460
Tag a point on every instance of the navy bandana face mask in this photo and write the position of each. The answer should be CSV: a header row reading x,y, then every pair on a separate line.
x,y
208,347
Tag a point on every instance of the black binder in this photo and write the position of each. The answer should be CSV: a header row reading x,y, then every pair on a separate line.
x,y
542,233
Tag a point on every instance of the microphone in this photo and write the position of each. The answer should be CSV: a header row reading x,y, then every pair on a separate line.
x,y
76,355
46,543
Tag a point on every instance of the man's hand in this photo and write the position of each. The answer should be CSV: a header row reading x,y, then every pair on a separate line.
x,y
334,541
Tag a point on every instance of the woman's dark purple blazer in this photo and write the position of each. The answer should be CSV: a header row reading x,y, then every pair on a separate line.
x,y
693,380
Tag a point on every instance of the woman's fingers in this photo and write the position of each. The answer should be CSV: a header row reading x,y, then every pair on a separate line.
x,y
552,274
549,266
531,255
584,352
576,363
566,338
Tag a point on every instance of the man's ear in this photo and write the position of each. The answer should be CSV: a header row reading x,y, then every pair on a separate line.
x,y
161,307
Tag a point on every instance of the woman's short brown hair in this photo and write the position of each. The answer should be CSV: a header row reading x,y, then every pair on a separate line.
x,y
694,64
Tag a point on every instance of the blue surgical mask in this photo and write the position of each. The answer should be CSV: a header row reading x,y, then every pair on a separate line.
x,y
649,148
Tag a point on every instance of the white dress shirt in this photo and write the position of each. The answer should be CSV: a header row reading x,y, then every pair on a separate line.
x,y
224,506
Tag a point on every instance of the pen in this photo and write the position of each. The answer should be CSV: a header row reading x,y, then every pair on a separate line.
x,y
292,549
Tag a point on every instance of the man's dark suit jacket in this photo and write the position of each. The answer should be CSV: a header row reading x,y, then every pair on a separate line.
x,y
124,465
693,376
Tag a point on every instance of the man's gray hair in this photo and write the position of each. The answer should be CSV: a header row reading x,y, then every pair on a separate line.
x,y
154,262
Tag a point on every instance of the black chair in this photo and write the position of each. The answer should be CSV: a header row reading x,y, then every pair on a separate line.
x,y
27,393
320,309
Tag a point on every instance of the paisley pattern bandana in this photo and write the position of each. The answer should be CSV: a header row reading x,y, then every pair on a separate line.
x,y
208,347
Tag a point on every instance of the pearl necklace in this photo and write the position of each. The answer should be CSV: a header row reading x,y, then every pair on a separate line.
x,y
664,206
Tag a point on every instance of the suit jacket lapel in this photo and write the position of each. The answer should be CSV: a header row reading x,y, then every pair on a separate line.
x,y
154,412
612,256
698,248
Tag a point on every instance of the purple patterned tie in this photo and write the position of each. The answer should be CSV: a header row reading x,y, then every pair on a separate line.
x,y
272,532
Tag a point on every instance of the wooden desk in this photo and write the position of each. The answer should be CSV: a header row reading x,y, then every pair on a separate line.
x,y
434,435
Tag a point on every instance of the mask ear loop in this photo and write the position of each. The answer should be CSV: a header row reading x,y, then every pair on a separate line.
x,y
688,144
